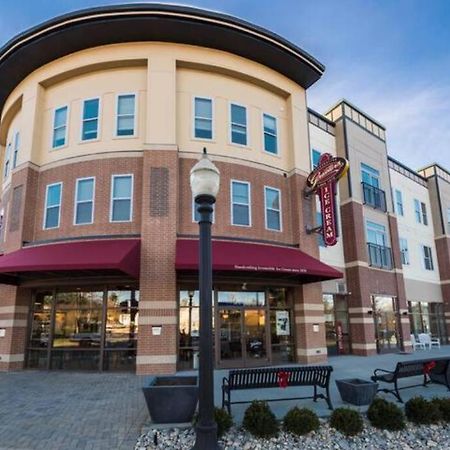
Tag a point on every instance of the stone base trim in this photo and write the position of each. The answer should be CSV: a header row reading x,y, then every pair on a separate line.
x,y
368,346
364,320
20,357
11,323
359,309
157,320
14,309
156,359
158,304
312,351
308,307
310,319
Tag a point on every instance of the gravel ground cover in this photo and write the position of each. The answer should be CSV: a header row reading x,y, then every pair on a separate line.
x,y
412,438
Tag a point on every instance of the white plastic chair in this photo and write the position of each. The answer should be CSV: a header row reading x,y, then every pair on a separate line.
x,y
415,344
426,339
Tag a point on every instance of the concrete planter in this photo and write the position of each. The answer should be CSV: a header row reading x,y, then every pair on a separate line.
x,y
171,399
356,391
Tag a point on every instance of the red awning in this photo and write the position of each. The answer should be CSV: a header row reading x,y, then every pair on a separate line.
x,y
258,258
116,255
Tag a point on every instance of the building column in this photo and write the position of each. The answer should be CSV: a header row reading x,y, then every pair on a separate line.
x,y
443,257
13,326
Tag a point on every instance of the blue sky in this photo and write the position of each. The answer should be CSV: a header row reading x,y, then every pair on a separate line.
x,y
390,58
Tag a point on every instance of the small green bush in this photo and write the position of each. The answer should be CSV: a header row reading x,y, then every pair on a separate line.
x,y
223,419
260,421
347,421
301,421
443,404
386,415
421,411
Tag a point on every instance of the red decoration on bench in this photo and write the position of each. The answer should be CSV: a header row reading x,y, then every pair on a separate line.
x,y
283,379
428,367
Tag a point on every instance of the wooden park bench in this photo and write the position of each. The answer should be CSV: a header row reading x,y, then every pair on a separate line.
x,y
434,370
277,377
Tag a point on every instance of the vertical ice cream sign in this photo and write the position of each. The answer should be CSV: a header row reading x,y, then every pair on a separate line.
x,y
322,181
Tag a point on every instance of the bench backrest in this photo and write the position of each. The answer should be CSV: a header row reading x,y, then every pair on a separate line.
x,y
270,377
416,367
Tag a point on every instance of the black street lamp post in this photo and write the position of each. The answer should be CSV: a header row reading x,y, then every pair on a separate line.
x,y
205,179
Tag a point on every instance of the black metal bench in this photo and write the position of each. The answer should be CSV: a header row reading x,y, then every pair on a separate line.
x,y
277,377
439,373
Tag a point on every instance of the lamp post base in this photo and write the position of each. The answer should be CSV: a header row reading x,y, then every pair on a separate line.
x,y
206,438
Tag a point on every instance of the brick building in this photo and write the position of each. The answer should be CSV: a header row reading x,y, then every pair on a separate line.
x,y
105,111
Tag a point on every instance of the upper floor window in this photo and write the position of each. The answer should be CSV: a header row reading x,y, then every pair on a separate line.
x,y
376,233
203,118
448,216
60,127
121,198
238,124
420,211
16,149
270,134
399,202
240,203
126,115
427,258
7,157
370,176
84,201
89,127
404,251
52,213
272,199
315,158
379,253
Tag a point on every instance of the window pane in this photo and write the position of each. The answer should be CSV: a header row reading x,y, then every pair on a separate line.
x,y
203,108
84,213
122,187
85,189
238,115
270,124
125,126
90,109
121,210
60,117
240,193
238,134
123,299
54,195
90,129
126,104
203,128
273,220
315,158
59,137
241,215
272,199
121,328
270,143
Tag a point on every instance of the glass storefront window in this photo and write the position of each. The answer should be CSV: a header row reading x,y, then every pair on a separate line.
x,y
427,318
189,324
237,298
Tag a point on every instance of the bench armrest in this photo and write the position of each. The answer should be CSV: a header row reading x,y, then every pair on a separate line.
x,y
224,382
376,371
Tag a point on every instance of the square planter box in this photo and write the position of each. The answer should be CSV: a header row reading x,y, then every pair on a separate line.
x,y
356,391
171,399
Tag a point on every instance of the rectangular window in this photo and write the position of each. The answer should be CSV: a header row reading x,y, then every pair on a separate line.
x,y
272,198
16,149
238,124
376,234
52,206
121,198
427,258
89,128
417,211
404,251
270,134
423,209
126,115
315,157
203,118
240,203
60,127
448,216
399,202
370,176
7,157
84,201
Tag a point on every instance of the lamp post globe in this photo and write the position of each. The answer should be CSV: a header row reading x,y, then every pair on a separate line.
x,y
205,182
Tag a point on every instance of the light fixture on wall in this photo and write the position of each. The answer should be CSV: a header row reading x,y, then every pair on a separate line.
x,y
244,286
369,311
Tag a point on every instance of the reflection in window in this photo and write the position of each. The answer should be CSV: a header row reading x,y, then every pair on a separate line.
x,y
242,298
189,324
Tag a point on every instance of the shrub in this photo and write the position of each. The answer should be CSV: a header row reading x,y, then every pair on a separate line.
x,y
260,421
223,419
347,421
421,411
386,415
301,421
443,404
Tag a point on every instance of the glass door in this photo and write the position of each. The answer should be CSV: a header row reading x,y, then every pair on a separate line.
x,y
255,336
231,351
386,330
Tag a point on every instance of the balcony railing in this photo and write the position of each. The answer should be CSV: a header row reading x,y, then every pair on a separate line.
x,y
379,256
374,197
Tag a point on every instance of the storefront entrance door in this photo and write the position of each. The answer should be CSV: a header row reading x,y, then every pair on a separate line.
x,y
243,337
386,329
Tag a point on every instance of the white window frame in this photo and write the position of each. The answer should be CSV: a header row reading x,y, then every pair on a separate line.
x,y
266,188
230,134
59,206
277,134
135,114
402,253
400,211
82,120
76,201
66,134
118,175
249,203
424,213
6,164
194,137
193,212
418,218
424,257
16,148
